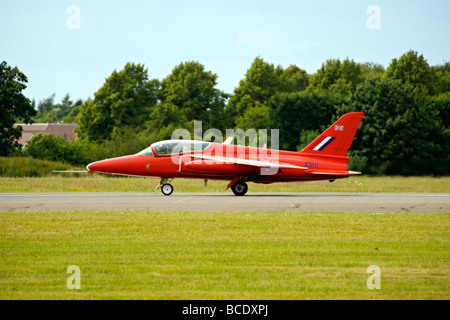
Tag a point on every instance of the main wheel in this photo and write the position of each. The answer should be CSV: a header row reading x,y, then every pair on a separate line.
x,y
239,188
167,189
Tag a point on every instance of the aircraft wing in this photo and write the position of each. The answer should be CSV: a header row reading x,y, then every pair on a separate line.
x,y
247,162
69,171
332,172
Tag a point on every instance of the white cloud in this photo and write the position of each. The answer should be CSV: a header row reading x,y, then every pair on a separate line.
x,y
302,47
256,41
262,42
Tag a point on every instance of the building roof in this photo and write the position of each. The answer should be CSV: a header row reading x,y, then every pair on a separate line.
x,y
57,129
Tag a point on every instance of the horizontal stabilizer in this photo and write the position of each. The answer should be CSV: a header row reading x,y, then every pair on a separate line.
x,y
332,172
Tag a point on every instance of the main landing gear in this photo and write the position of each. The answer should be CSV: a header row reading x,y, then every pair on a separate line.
x,y
238,186
166,188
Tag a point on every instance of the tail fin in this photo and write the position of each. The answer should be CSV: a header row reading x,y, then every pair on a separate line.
x,y
337,139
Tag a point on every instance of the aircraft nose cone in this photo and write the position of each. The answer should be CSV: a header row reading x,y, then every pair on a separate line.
x,y
88,167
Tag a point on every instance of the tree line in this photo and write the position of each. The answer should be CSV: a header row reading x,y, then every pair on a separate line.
x,y
406,105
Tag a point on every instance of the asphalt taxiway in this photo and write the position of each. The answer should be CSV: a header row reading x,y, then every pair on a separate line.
x,y
221,202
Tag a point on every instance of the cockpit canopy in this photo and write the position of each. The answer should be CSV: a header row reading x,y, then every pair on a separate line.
x,y
169,147
146,152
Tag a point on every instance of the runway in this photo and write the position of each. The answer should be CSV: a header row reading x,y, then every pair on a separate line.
x,y
221,202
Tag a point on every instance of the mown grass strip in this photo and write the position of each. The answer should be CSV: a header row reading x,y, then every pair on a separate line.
x,y
101,183
185,255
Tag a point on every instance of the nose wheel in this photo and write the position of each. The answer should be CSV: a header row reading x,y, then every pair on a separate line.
x,y
167,189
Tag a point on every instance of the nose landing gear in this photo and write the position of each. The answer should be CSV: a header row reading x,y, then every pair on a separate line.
x,y
166,188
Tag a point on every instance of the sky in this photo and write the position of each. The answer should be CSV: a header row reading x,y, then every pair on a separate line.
x,y
73,46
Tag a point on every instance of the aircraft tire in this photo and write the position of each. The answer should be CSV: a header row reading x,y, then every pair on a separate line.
x,y
167,189
239,188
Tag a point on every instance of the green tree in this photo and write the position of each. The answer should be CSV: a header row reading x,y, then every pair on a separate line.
x,y
50,147
123,141
49,111
64,107
71,116
248,106
401,132
193,90
443,77
296,79
255,117
371,70
14,107
413,69
261,82
125,100
45,111
165,118
336,76
45,107
442,104
306,137
293,113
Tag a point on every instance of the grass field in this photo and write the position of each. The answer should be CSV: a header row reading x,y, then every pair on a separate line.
x,y
184,255
29,167
101,183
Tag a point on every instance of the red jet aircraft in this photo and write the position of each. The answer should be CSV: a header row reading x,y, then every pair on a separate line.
x,y
323,159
